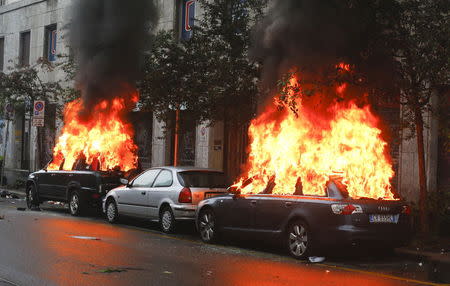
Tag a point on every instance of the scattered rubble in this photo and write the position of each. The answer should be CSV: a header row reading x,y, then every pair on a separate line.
x,y
8,195
112,270
85,237
316,259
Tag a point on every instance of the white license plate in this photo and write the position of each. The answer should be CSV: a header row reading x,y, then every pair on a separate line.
x,y
210,195
383,218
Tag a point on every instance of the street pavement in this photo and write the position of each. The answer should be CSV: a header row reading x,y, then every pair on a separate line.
x,y
49,247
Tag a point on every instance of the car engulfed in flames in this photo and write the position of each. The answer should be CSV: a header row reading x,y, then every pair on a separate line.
x,y
103,142
297,152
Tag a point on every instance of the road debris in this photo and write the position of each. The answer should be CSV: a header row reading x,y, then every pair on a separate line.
x,y
112,270
85,237
316,259
167,272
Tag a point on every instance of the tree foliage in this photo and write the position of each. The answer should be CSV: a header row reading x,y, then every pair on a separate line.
x,y
20,86
422,49
209,75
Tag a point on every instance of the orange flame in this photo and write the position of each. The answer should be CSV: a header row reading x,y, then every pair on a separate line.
x,y
105,137
288,150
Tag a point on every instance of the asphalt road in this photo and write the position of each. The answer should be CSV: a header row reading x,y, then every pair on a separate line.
x,y
50,247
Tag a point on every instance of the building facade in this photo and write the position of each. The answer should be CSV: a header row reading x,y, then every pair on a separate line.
x,y
31,29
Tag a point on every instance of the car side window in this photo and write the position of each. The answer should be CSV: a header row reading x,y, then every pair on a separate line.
x,y
164,179
146,179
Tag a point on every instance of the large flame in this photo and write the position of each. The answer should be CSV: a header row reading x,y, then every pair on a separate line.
x,y
105,137
291,150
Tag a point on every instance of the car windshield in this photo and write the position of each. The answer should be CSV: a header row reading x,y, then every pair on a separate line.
x,y
203,179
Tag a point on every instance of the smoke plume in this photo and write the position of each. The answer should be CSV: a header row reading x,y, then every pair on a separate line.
x,y
315,34
108,37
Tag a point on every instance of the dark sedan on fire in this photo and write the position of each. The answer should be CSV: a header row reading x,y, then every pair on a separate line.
x,y
306,225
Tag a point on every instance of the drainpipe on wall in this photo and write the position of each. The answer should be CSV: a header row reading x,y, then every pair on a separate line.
x,y
4,153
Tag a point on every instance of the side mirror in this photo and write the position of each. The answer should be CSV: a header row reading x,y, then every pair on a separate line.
x,y
124,181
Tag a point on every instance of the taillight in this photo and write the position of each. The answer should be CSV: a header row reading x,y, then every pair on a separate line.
x,y
406,210
185,196
95,196
346,209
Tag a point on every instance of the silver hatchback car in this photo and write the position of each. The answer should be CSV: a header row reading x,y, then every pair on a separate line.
x,y
167,194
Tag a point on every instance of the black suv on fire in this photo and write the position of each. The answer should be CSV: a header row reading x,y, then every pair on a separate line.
x,y
306,225
82,188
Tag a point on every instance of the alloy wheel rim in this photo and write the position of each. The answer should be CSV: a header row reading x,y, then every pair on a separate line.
x,y
111,212
207,227
166,220
29,198
298,240
74,204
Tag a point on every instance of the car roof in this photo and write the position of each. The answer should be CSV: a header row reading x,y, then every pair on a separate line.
x,y
186,168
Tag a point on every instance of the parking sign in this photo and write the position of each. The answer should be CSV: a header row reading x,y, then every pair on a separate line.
x,y
38,113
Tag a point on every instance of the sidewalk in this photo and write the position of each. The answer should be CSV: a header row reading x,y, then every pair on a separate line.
x,y
437,257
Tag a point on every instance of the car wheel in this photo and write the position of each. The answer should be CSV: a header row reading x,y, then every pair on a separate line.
x,y
298,240
31,198
207,226
112,213
167,220
75,205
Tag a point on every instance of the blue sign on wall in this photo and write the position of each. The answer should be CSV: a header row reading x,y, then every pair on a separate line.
x,y
188,15
51,46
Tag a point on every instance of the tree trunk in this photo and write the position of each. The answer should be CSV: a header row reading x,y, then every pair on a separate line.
x,y
423,217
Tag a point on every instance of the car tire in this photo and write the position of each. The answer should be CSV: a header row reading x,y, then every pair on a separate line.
x,y
167,220
299,239
75,204
111,211
31,199
207,226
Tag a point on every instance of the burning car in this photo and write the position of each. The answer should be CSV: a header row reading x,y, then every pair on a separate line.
x,y
318,175
89,158
82,187
306,225
166,194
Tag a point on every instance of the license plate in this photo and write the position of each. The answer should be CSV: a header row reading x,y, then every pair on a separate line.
x,y
210,195
383,218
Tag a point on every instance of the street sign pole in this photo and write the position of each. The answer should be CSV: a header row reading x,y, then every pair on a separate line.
x,y
177,130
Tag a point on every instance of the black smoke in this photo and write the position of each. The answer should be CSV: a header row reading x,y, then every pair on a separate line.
x,y
314,35
108,38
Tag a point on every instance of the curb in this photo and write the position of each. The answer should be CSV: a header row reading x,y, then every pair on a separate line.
x,y
438,264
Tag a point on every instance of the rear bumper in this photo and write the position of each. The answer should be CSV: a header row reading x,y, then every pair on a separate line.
x,y
184,212
381,235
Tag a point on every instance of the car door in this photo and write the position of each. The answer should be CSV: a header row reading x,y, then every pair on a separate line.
x,y
133,200
237,212
43,183
162,189
60,180
271,211
48,185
